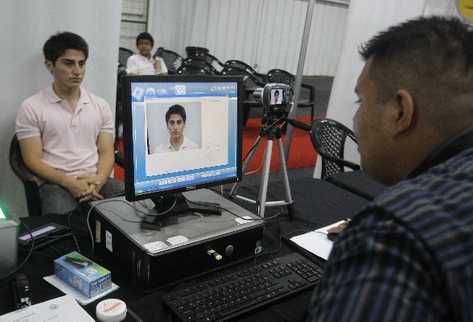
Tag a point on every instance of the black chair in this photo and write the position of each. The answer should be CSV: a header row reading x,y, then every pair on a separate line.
x,y
199,63
328,139
282,76
213,61
193,70
242,65
123,54
30,181
172,59
250,83
192,51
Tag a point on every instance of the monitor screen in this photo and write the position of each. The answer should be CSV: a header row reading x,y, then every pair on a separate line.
x,y
181,133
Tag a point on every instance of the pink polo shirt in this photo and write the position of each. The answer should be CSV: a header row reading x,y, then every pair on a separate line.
x,y
69,138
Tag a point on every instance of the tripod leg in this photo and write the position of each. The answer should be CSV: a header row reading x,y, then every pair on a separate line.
x,y
263,189
290,202
246,163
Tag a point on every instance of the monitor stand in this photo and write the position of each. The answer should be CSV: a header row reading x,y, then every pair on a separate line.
x,y
168,207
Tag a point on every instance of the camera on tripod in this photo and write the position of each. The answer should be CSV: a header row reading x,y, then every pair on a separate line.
x,y
275,98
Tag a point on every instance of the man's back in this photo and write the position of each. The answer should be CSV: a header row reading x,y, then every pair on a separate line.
x,y
409,254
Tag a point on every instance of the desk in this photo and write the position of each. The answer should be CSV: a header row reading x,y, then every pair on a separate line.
x,y
359,183
150,306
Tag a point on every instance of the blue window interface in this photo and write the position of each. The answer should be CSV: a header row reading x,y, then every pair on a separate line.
x,y
185,134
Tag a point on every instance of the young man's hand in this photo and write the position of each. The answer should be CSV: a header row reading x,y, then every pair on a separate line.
x,y
95,184
78,188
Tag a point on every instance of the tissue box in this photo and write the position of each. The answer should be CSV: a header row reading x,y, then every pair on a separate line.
x,y
87,277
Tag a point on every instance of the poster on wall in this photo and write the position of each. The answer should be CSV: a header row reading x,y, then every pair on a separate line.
x,y
465,10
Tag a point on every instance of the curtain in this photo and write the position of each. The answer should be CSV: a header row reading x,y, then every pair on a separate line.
x,y
264,33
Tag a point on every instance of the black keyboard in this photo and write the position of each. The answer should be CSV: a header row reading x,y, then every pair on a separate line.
x,y
233,293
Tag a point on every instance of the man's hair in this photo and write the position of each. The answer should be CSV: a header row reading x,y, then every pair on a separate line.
x,y
432,58
57,45
145,36
176,109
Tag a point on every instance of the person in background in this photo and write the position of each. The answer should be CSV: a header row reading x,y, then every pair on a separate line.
x,y
66,133
408,256
143,63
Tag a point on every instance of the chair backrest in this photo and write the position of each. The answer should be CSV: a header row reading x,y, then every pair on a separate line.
x,y
213,61
249,80
123,54
280,76
242,65
329,138
192,51
193,70
172,59
199,63
29,180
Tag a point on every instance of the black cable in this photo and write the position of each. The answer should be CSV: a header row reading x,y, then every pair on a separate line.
x,y
134,315
19,267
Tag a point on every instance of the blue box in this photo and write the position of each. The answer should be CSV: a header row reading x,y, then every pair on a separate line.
x,y
81,273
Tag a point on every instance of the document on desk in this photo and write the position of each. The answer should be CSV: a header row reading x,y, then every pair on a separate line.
x,y
316,241
60,309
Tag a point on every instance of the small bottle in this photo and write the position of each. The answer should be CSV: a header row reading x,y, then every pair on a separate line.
x,y
111,310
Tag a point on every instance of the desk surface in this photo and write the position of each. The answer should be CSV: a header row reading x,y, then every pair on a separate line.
x,y
150,306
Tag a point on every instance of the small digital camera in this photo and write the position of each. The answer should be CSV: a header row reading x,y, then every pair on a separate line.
x,y
275,98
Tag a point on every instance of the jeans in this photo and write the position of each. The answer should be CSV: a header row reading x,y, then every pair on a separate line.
x,y
56,199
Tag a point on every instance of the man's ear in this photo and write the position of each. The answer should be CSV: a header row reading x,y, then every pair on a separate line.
x,y
403,112
49,65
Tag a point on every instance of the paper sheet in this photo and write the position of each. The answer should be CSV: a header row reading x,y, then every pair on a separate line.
x,y
316,241
81,298
60,309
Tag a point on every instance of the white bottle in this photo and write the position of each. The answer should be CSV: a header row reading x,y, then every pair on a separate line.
x,y
111,310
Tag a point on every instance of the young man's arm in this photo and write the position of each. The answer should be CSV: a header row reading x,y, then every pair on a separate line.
x,y
32,153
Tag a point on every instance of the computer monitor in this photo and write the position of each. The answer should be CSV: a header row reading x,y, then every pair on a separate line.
x,y
180,133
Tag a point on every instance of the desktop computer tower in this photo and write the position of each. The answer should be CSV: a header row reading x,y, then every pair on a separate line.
x,y
187,246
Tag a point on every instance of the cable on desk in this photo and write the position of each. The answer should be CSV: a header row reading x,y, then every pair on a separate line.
x,y
14,271
134,315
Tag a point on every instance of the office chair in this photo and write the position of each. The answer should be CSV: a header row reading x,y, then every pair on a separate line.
x,y
192,51
282,76
123,54
199,63
172,59
328,139
213,61
250,83
242,65
29,180
193,70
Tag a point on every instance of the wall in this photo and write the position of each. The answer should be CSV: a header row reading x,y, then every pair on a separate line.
x,y
365,19
264,33
26,24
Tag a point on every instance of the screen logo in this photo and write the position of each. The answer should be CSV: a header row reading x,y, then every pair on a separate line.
x,y
180,89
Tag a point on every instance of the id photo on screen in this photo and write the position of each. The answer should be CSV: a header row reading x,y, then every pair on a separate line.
x,y
276,96
175,127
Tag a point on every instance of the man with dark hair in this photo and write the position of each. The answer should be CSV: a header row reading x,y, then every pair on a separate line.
x,y
176,122
66,132
408,256
143,63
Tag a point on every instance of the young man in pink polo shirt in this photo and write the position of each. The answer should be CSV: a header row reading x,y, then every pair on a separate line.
x,y
66,132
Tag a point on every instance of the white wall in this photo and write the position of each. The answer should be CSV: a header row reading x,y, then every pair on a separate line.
x,y
26,24
265,33
365,19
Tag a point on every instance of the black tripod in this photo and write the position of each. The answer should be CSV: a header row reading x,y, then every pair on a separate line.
x,y
272,131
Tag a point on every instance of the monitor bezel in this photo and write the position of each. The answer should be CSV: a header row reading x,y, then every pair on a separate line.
x,y
130,193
